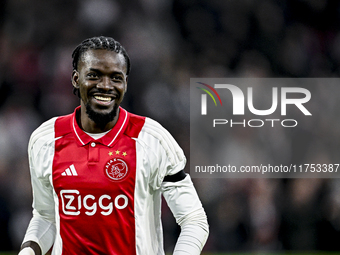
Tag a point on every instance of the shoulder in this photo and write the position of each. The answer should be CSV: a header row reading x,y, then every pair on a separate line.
x,y
155,129
44,132
139,126
157,137
135,125
43,136
50,130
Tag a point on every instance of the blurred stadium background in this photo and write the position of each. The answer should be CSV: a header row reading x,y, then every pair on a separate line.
x,y
170,41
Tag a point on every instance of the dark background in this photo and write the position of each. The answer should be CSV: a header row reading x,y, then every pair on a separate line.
x,y
169,42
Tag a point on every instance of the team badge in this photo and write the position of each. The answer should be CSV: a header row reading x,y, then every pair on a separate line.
x,y
116,169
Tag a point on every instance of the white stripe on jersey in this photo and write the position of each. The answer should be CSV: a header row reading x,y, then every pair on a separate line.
x,y
153,143
126,114
173,151
42,143
75,130
73,170
44,130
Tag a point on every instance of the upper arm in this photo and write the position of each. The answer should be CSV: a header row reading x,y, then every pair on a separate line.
x,y
41,154
41,229
164,156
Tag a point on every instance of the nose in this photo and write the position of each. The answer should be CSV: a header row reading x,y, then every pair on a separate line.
x,y
105,83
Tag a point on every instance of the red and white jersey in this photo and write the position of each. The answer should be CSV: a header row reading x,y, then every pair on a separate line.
x,y
103,196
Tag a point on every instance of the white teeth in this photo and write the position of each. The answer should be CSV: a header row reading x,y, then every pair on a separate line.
x,y
101,98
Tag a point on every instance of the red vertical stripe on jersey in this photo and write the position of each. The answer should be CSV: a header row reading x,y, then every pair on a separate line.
x,y
96,211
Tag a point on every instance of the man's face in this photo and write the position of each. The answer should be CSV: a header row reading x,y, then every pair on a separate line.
x,y
102,82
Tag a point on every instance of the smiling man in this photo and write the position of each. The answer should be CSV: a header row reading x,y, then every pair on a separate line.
x,y
101,78
98,174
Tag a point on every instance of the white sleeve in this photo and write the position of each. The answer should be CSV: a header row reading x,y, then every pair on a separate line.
x,y
40,153
187,209
40,231
164,155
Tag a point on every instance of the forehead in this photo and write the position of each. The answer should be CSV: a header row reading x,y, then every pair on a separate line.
x,y
101,58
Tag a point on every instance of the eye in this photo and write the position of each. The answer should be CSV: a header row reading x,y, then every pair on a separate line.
x,y
117,78
92,76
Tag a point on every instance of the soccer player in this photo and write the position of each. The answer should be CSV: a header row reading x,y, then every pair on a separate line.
x,y
98,174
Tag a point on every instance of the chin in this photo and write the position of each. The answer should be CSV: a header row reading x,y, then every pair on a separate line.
x,y
101,117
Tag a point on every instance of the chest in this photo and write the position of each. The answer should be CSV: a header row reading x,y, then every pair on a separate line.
x,y
94,178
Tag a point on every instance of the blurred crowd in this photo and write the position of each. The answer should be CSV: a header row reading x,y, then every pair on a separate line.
x,y
169,42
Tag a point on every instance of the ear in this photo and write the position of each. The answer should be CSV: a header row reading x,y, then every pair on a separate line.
x,y
75,79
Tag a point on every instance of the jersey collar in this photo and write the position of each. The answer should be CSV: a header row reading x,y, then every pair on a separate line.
x,y
109,139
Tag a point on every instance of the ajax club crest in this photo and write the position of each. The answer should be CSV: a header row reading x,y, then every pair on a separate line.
x,y
116,169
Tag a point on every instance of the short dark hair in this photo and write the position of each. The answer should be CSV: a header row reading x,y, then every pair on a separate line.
x,y
99,43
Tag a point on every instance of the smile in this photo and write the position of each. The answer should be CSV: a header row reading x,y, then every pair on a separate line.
x,y
103,98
